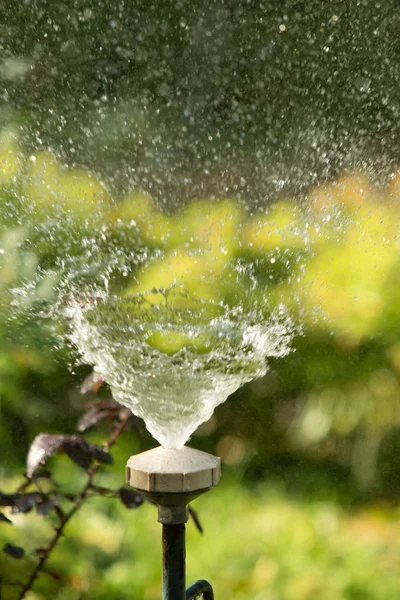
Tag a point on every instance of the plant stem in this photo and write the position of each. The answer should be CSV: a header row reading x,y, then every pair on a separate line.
x,y
68,516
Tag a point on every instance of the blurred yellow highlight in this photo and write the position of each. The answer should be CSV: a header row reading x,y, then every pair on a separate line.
x,y
50,187
281,227
12,159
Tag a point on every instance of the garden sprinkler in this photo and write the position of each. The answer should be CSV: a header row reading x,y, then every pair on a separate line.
x,y
171,478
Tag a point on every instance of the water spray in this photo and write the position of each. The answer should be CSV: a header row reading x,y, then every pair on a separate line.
x,y
171,479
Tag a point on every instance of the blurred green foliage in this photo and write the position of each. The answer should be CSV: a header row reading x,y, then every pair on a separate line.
x,y
243,99
333,261
260,542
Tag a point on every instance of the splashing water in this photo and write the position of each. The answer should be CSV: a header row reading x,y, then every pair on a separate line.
x,y
173,366
174,353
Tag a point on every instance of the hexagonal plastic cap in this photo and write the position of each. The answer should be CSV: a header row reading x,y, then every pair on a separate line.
x,y
173,471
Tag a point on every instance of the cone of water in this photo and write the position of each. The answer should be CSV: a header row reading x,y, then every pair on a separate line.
x,y
170,357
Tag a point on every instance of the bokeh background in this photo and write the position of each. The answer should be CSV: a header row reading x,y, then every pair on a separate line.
x,y
267,132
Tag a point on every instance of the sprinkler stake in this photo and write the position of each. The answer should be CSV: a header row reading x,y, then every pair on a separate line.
x,y
171,478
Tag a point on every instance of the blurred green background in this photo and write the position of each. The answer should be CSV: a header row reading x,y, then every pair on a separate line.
x,y
307,506
271,141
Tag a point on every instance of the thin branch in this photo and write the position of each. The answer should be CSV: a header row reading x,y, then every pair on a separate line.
x,y
64,520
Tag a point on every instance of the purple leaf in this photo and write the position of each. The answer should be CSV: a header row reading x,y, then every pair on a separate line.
x,y
78,449
78,454
130,498
46,506
14,551
22,503
43,446
97,412
83,453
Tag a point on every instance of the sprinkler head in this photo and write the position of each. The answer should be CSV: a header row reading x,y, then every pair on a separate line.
x,y
171,478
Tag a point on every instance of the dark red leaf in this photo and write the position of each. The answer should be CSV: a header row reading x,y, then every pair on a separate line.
x,y
46,506
4,519
130,498
22,503
79,450
78,454
97,412
14,551
83,453
43,446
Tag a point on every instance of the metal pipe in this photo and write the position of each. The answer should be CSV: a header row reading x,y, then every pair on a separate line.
x,y
200,588
174,562
171,478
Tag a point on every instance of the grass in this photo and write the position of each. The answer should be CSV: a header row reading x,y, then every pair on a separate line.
x,y
260,543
